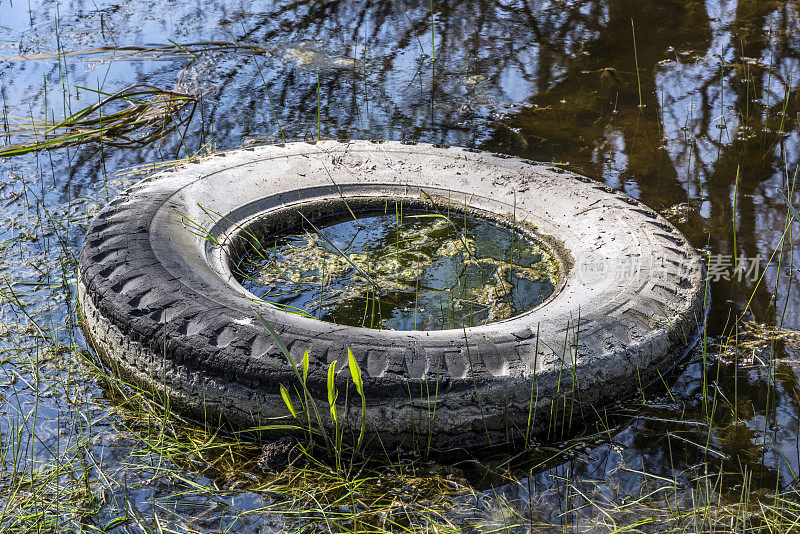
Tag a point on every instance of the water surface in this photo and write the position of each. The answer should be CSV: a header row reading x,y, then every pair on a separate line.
x,y
401,270
691,107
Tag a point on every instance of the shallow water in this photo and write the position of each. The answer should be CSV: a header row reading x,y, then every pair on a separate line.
x,y
401,270
692,107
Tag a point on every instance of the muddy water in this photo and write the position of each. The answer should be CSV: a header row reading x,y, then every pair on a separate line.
x,y
692,107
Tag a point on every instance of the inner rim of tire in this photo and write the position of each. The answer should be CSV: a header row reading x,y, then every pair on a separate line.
x,y
484,267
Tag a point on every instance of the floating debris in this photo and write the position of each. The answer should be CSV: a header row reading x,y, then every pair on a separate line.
x,y
305,53
308,54
475,79
679,213
163,51
757,343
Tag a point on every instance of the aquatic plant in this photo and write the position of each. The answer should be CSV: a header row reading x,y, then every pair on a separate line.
x,y
133,117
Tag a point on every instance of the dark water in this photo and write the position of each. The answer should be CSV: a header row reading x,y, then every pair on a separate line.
x,y
692,107
402,270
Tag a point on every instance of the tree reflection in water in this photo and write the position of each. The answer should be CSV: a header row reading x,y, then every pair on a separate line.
x,y
547,80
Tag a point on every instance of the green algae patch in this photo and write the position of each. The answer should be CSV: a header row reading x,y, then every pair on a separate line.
x,y
402,270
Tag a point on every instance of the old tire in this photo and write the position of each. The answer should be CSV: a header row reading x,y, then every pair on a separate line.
x,y
159,304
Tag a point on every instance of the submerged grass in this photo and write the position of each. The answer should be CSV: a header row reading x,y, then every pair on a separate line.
x,y
206,464
165,51
413,273
365,493
130,118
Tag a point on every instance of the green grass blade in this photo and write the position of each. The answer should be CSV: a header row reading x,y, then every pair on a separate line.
x,y
288,400
355,372
332,390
